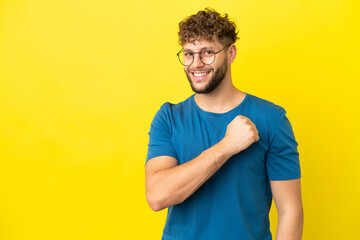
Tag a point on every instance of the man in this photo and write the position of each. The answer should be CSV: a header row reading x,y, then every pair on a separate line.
x,y
216,159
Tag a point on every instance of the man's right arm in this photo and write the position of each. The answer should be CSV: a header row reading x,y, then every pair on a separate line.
x,y
168,183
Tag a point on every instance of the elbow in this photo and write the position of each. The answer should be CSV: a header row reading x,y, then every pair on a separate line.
x,y
161,200
155,206
155,203
294,213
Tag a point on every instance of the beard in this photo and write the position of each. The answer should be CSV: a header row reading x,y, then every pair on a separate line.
x,y
213,83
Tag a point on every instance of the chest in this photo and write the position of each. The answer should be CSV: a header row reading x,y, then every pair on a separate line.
x,y
192,135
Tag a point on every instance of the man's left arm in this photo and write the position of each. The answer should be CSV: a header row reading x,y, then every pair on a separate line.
x,y
288,201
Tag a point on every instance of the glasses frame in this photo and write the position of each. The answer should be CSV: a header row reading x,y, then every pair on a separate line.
x,y
193,56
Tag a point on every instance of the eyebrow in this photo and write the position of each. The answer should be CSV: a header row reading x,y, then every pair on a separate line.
x,y
201,49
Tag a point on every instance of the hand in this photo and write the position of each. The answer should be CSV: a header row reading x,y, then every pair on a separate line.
x,y
240,134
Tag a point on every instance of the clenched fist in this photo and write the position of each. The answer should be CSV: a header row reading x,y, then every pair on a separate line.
x,y
240,134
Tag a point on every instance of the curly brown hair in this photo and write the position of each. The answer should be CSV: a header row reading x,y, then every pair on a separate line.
x,y
207,25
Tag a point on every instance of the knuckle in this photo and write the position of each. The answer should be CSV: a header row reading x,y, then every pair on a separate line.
x,y
245,121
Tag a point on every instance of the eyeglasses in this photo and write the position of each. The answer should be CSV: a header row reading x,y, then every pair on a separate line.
x,y
207,57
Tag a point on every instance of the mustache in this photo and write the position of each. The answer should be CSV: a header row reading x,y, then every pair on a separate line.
x,y
199,69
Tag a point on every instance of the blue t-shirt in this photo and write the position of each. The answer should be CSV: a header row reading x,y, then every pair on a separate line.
x,y
235,202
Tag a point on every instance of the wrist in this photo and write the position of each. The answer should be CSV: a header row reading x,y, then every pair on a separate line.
x,y
224,148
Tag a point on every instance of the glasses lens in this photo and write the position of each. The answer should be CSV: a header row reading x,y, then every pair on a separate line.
x,y
186,58
207,57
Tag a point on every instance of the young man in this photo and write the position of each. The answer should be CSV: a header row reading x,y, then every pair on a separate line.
x,y
216,159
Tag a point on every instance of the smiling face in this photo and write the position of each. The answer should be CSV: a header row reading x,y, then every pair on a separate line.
x,y
205,78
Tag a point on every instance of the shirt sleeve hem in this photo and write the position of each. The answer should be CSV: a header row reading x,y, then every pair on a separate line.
x,y
158,155
285,177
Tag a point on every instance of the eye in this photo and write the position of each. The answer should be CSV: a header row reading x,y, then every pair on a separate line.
x,y
207,52
187,54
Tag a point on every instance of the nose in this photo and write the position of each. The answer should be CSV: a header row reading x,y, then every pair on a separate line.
x,y
197,61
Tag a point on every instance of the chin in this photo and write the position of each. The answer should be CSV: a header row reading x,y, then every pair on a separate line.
x,y
201,90
209,83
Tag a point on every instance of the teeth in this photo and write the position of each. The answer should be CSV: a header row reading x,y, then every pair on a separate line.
x,y
200,74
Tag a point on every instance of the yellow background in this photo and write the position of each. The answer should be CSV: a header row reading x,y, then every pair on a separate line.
x,y
80,82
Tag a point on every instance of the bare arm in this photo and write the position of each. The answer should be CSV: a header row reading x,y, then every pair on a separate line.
x,y
287,198
168,183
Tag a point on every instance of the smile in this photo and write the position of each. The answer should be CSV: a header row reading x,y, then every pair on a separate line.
x,y
200,74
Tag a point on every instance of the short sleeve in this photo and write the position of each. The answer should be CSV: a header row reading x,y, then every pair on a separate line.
x,y
160,143
282,161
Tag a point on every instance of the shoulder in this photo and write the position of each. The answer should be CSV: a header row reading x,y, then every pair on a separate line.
x,y
169,112
170,109
167,115
264,107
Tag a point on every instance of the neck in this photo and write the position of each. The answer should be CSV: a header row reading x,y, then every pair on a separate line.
x,y
224,98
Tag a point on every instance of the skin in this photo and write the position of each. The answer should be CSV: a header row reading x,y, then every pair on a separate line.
x,y
168,183
213,82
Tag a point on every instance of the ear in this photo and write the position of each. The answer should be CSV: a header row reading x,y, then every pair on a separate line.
x,y
232,53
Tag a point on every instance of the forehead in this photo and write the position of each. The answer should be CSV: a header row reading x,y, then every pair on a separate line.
x,y
202,44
